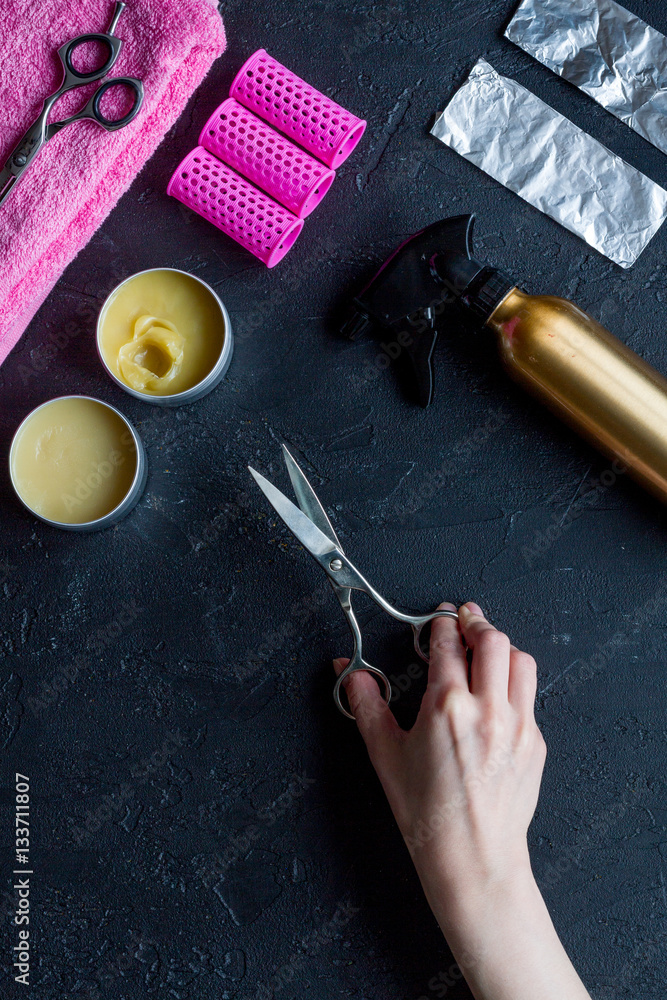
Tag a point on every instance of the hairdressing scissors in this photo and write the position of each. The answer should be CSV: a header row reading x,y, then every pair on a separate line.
x,y
311,526
39,132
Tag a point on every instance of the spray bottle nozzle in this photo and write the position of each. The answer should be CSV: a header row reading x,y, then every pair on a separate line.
x,y
417,290
455,271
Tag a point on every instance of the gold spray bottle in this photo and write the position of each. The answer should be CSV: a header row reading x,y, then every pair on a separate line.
x,y
589,378
552,348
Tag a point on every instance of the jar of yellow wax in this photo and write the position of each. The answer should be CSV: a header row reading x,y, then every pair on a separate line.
x,y
77,463
164,336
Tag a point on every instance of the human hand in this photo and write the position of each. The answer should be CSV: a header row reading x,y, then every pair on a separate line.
x,y
463,782
463,785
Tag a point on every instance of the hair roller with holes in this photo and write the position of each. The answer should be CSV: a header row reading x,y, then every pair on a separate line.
x,y
268,159
290,104
225,198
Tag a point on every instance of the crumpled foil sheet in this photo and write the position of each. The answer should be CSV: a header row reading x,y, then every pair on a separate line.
x,y
552,164
606,51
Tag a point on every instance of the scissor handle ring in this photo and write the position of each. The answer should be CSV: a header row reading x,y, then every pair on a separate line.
x,y
417,629
93,74
351,668
113,123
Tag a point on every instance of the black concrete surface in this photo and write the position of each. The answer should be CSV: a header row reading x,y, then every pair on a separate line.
x,y
205,825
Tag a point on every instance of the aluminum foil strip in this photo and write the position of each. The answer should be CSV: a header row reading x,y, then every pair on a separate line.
x,y
552,164
606,51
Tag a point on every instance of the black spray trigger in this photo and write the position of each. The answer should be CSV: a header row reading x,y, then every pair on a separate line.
x,y
420,353
415,294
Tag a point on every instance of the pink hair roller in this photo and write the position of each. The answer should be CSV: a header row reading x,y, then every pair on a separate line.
x,y
282,98
266,158
230,202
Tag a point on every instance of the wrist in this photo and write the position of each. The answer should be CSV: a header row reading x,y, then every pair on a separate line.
x,y
484,917
470,893
502,937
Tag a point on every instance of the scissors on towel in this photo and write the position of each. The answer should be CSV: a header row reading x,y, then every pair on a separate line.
x,y
39,132
311,526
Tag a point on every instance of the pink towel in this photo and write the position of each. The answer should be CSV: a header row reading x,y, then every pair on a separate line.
x,y
80,174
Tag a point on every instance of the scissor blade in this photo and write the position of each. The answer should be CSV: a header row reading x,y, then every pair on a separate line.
x,y
310,536
7,181
307,499
22,155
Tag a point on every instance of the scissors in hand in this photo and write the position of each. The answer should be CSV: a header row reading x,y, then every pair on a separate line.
x,y
39,132
311,526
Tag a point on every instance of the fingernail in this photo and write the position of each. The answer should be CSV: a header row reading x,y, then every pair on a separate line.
x,y
336,664
470,608
446,606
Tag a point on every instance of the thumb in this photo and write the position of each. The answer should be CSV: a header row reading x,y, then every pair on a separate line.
x,y
374,718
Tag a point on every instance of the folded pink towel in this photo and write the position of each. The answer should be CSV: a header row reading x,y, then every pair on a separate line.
x,y
80,174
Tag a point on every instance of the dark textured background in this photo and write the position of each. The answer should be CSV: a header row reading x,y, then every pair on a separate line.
x,y
158,869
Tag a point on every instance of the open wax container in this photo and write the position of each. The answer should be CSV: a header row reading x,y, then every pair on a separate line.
x,y
164,336
77,463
